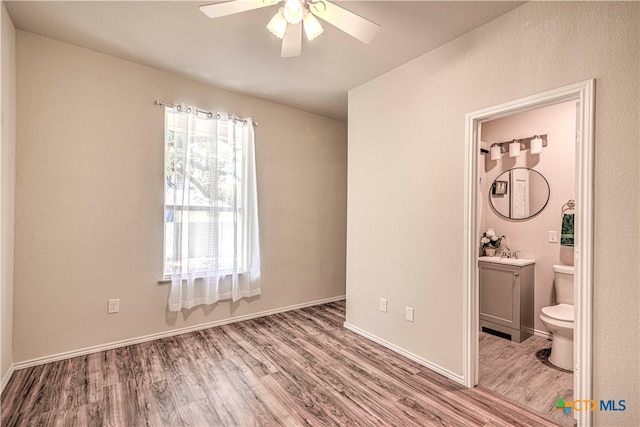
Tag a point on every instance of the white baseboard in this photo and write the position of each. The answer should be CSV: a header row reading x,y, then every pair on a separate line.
x,y
427,364
542,334
173,332
6,378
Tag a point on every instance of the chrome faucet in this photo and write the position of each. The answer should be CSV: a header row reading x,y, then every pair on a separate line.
x,y
506,253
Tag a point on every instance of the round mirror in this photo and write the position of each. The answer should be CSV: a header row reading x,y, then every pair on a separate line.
x,y
519,193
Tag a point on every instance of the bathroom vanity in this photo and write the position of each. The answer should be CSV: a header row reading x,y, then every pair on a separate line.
x,y
506,297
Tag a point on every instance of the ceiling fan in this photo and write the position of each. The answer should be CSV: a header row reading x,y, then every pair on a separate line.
x,y
295,15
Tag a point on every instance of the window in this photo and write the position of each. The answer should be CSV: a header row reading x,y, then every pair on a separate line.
x,y
211,226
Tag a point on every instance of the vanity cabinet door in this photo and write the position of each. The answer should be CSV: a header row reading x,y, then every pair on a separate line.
x,y
500,295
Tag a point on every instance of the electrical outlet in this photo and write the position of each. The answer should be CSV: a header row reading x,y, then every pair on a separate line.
x,y
383,304
408,314
114,306
553,237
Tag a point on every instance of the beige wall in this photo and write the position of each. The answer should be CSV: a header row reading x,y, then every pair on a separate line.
x,y
405,216
7,189
557,164
89,200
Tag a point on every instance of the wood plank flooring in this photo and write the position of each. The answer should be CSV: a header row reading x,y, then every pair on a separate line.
x,y
513,371
299,368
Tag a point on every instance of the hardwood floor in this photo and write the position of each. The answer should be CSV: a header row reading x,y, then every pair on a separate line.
x,y
299,368
513,371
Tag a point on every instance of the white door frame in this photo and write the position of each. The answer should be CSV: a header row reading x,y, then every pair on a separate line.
x,y
583,92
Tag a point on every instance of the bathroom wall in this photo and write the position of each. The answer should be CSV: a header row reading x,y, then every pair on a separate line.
x,y
557,164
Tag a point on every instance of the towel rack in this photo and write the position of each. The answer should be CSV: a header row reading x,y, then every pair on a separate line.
x,y
569,206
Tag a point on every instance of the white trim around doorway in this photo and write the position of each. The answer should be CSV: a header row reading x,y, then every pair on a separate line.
x,y
584,93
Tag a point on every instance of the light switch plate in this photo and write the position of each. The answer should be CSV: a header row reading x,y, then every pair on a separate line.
x,y
553,237
409,314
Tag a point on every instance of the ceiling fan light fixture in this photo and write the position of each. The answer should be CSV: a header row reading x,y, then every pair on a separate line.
x,y
312,27
293,11
278,24
292,19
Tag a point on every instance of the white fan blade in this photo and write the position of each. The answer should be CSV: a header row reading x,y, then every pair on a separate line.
x,y
218,10
352,24
292,41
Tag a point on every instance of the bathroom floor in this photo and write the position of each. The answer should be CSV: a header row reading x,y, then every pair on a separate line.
x,y
513,371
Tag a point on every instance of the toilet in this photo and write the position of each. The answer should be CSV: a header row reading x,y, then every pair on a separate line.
x,y
559,318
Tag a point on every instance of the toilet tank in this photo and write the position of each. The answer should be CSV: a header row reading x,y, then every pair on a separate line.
x,y
563,282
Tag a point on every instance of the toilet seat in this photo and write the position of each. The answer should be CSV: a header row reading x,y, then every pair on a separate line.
x,y
563,312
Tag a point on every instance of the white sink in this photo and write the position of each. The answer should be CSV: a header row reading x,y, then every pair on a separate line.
x,y
508,261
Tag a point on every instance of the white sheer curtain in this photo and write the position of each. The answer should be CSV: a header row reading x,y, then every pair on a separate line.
x,y
212,249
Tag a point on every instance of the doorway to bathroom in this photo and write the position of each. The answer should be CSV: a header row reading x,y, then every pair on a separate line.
x,y
523,196
498,201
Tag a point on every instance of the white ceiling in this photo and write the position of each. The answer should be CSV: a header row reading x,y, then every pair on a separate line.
x,y
238,53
